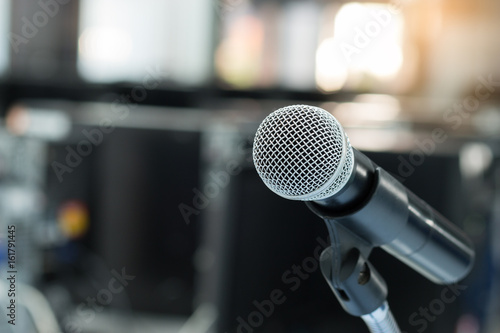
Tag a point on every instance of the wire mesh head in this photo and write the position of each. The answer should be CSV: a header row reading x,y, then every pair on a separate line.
x,y
302,153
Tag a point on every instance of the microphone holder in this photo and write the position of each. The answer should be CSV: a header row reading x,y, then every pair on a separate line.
x,y
358,286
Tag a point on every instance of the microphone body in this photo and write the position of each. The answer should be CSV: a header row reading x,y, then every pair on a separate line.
x,y
380,210
302,153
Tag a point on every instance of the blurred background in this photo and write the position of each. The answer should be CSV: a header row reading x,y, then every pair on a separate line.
x,y
125,157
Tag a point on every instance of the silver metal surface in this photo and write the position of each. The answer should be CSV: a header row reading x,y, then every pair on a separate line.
x,y
381,320
302,153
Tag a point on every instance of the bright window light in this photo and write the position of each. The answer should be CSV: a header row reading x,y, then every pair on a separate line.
x,y
127,40
237,58
331,72
4,31
366,42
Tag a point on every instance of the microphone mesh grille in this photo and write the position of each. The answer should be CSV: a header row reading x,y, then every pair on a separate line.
x,y
301,153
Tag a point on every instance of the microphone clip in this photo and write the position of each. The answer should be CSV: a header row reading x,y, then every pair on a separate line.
x,y
356,283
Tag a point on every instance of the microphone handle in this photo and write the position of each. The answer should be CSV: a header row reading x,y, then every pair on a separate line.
x,y
432,245
387,214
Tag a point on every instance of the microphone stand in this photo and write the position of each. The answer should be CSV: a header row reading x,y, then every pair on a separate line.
x,y
358,286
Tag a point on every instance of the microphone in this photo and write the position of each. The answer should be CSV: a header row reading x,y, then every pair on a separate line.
x,y
302,153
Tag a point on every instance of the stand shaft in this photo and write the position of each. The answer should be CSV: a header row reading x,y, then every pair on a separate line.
x,y
381,320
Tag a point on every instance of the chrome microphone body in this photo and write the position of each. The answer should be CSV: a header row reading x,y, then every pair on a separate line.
x,y
302,153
